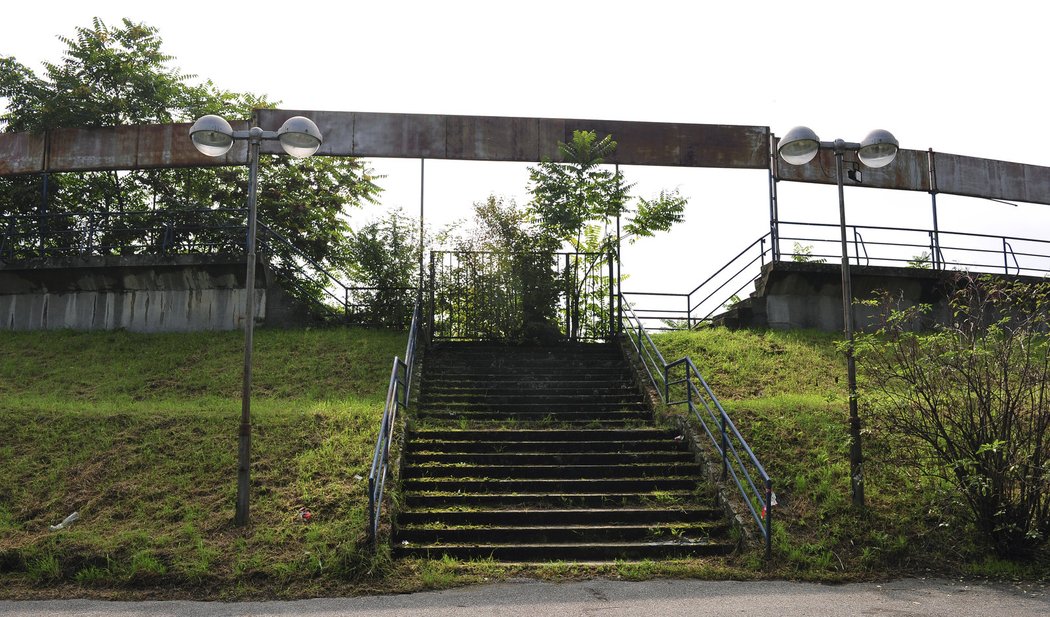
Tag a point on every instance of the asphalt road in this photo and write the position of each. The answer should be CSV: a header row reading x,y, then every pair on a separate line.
x,y
605,598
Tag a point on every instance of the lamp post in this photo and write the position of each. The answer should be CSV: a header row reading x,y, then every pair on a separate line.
x,y
213,136
878,149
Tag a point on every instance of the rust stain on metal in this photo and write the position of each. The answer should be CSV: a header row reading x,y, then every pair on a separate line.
x,y
908,172
975,177
530,140
487,138
21,153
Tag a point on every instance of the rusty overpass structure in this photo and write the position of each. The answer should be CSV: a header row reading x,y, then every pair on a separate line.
x,y
481,138
530,140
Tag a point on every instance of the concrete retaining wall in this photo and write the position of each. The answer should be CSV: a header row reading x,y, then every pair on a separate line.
x,y
145,294
809,295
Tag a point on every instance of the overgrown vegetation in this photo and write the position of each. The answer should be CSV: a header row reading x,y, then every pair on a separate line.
x,y
508,276
138,433
969,403
115,75
787,393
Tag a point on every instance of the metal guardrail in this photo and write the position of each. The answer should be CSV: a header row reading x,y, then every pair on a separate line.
x,y
867,245
489,295
139,232
398,392
736,275
738,460
200,231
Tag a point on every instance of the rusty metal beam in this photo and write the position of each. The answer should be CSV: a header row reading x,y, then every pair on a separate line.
x,y
21,153
484,138
529,140
955,175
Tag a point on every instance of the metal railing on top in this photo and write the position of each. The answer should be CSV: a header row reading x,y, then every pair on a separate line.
x,y
398,393
821,242
200,231
690,389
664,310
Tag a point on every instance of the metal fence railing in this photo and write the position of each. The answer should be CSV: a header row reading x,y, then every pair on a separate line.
x,y
487,295
680,383
399,391
867,245
202,231
146,232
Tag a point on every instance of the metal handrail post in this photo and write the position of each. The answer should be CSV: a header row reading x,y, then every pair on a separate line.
x,y
667,383
725,447
372,512
1006,262
769,518
612,300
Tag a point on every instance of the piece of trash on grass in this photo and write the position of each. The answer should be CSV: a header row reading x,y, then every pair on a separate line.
x,y
357,477
679,438
305,515
66,522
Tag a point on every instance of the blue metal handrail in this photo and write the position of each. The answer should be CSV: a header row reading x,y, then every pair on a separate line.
x,y
738,459
399,390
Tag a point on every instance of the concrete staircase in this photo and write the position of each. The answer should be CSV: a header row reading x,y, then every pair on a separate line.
x,y
546,453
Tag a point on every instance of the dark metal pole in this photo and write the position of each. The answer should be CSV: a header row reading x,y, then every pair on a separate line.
x,y
43,214
419,297
856,459
774,230
612,300
245,434
936,249
619,271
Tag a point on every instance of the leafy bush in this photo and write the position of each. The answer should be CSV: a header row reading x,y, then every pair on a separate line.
x,y
973,398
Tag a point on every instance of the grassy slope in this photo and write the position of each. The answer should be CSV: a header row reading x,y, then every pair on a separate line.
x,y
787,393
139,434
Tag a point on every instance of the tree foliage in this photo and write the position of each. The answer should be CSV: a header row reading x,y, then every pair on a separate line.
x,y
501,282
972,399
384,260
579,194
121,75
575,202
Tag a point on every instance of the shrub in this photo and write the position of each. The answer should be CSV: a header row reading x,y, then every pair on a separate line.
x,y
973,397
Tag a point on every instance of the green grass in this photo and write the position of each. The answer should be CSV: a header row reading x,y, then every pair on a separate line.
x,y
138,433
786,392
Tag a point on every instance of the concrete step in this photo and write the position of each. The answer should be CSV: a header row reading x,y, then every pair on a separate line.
x,y
546,435
541,534
563,516
561,399
539,417
571,472
547,458
546,500
537,406
596,551
553,485
555,388
547,447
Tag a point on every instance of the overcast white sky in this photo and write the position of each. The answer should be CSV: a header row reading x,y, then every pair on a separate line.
x,y
959,77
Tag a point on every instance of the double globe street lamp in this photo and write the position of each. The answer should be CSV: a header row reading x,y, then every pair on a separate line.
x,y
798,147
213,136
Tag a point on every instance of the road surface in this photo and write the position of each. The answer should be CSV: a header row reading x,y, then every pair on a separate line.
x,y
606,598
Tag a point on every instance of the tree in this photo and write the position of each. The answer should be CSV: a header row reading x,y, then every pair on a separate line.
x,y
571,196
498,281
120,75
575,202
384,260
971,402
